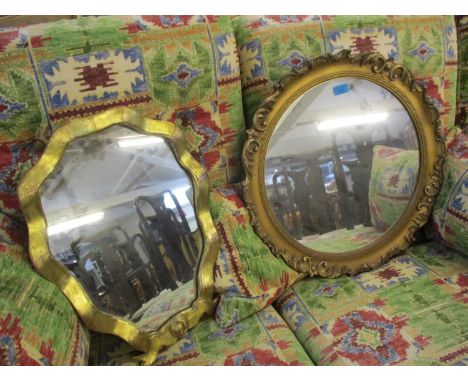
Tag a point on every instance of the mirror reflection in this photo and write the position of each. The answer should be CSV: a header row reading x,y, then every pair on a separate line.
x,y
341,165
120,216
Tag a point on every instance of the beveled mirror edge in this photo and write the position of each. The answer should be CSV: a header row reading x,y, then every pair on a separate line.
x,y
412,95
41,258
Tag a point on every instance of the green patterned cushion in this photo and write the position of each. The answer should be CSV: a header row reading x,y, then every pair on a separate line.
x,y
38,326
450,213
179,68
247,275
271,46
37,323
393,177
411,311
262,339
344,240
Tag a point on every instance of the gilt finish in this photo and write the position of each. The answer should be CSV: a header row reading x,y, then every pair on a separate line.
x,y
149,342
412,95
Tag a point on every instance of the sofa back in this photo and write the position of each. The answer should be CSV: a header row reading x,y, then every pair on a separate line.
x,y
207,74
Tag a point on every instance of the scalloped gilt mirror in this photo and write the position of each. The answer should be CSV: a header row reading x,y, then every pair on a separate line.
x,y
342,164
118,218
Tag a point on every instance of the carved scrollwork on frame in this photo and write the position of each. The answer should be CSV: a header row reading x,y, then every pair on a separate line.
x,y
411,93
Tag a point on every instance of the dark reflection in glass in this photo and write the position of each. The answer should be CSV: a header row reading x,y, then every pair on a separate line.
x,y
120,217
341,165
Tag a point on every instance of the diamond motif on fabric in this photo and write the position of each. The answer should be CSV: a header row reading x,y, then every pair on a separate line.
x,y
294,61
423,52
389,273
369,338
183,75
397,271
327,289
8,108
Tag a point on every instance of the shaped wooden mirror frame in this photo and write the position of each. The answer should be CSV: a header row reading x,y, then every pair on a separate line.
x,y
396,80
149,341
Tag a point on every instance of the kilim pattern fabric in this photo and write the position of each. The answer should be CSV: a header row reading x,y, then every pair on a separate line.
x,y
208,74
450,213
248,277
411,311
263,339
183,69
38,326
271,46
393,178
179,68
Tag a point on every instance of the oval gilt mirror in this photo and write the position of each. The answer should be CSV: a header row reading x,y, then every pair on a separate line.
x,y
342,164
121,206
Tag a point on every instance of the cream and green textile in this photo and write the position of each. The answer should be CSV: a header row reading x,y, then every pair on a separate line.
x,y
450,213
393,177
411,311
263,339
271,46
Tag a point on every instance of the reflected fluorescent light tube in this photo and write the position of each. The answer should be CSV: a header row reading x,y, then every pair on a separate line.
x,y
352,121
138,141
74,223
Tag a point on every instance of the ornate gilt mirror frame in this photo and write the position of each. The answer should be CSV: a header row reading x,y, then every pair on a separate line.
x,y
399,82
42,259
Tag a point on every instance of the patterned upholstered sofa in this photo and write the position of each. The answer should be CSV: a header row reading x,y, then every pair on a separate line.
x,y
208,75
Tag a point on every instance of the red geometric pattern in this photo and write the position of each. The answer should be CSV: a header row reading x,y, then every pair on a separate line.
x,y
388,273
256,357
11,349
93,77
168,21
368,338
364,45
6,38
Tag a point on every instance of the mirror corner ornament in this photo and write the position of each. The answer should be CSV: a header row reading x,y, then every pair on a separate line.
x,y
177,325
411,93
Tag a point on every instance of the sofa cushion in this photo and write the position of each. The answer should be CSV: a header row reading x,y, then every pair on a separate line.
x,y
247,276
179,68
411,311
37,323
38,326
271,46
450,213
343,239
262,339
393,178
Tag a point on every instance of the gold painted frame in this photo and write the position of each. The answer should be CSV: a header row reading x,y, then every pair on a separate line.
x,y
43,261
398,81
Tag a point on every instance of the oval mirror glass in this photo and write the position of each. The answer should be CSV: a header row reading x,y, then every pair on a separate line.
x,y
120,217
341,165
